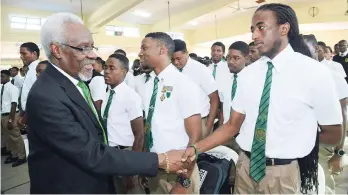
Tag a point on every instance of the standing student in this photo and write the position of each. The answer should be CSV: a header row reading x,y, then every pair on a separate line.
x,y
17,80
280,114
203,78
41,67
130,80
323,53
237,58
9,117
122,115
172,109
141,80
253,52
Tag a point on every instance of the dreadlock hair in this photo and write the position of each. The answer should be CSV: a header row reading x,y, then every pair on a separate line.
x,y
308,164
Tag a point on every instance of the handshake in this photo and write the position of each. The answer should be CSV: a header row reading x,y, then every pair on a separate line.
x,y
180,162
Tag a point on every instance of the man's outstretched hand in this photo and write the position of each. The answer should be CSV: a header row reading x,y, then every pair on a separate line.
x,y
176,163
189,155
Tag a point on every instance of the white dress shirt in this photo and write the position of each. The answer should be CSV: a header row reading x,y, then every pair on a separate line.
x,y
140,85
201,75
10,95
125,107
341,85
171,109
332,65
222,73
130,81
18,81
302,96
28,82
97,87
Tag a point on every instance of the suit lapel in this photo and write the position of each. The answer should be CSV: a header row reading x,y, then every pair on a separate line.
x,y
72,92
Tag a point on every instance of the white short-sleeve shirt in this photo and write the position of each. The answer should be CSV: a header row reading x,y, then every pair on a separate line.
x,y
335,66
18,81
130,81
28,82
341,85
201,75
222,74
97,87
10,95
302,96
125,107
177,99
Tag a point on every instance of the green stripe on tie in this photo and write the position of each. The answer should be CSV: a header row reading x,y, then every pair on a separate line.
x,y
107,107
214,71
148,123
258,150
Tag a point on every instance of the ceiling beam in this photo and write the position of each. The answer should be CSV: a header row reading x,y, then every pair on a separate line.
x,y
109,11
185,16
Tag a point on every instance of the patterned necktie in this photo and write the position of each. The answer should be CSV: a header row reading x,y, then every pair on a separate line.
x,y
148,132
147,77
107,107
258,150
88,98
180,69
234,86
12,81
214,71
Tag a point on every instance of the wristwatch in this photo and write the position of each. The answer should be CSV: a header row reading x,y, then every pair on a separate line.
x,y
186,183
340,152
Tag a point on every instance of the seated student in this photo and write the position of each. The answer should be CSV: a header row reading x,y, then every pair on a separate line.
x,y
122,115
41,67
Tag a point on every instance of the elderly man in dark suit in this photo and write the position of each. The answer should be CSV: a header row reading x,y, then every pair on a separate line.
x,y
68,144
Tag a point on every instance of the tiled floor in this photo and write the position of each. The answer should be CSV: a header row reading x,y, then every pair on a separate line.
x,y
16,180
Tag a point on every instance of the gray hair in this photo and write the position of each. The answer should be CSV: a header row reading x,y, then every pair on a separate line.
x,y
53,30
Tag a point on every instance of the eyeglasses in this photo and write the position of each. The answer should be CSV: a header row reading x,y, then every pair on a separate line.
x,y
84,50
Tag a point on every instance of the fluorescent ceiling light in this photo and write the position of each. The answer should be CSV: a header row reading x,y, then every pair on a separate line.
x,y
142,13
194,23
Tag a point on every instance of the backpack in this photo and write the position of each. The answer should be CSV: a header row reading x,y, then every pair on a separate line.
x,y
214,174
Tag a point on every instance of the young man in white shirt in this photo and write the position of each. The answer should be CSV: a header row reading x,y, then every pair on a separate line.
x,y
253,52
141,80
9,117
331,158
201,75
280,113
97,84
172,109
323,54
17,80
237,58
130,80
41,67
30,54
122,114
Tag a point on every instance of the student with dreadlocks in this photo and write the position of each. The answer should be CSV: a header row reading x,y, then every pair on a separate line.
x,y
330,158
280,101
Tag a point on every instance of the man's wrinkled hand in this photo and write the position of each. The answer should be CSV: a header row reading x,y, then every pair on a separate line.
x,y
176,165
335,163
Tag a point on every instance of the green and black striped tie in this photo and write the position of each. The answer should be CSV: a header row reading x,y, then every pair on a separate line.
x,y
258,150
214,71
234,86
148,132
107,107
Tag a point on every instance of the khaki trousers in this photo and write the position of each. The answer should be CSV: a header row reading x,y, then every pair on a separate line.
x,y
280,179
205,132
325,153
120,182
15,143
159,183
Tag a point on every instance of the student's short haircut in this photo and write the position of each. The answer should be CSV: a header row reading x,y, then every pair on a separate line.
x,y
219,44
45,62
120,51
180,45
240,46
329,48
16,68
322,45
123,59
164,39
193,55
6,72
99,60
32,47
252,44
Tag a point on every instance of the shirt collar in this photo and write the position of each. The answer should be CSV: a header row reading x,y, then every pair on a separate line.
x,y
34,63
119,86
166,72
72,79
278,60
344,54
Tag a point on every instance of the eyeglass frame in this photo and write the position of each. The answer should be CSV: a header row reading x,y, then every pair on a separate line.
x,y
82,50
